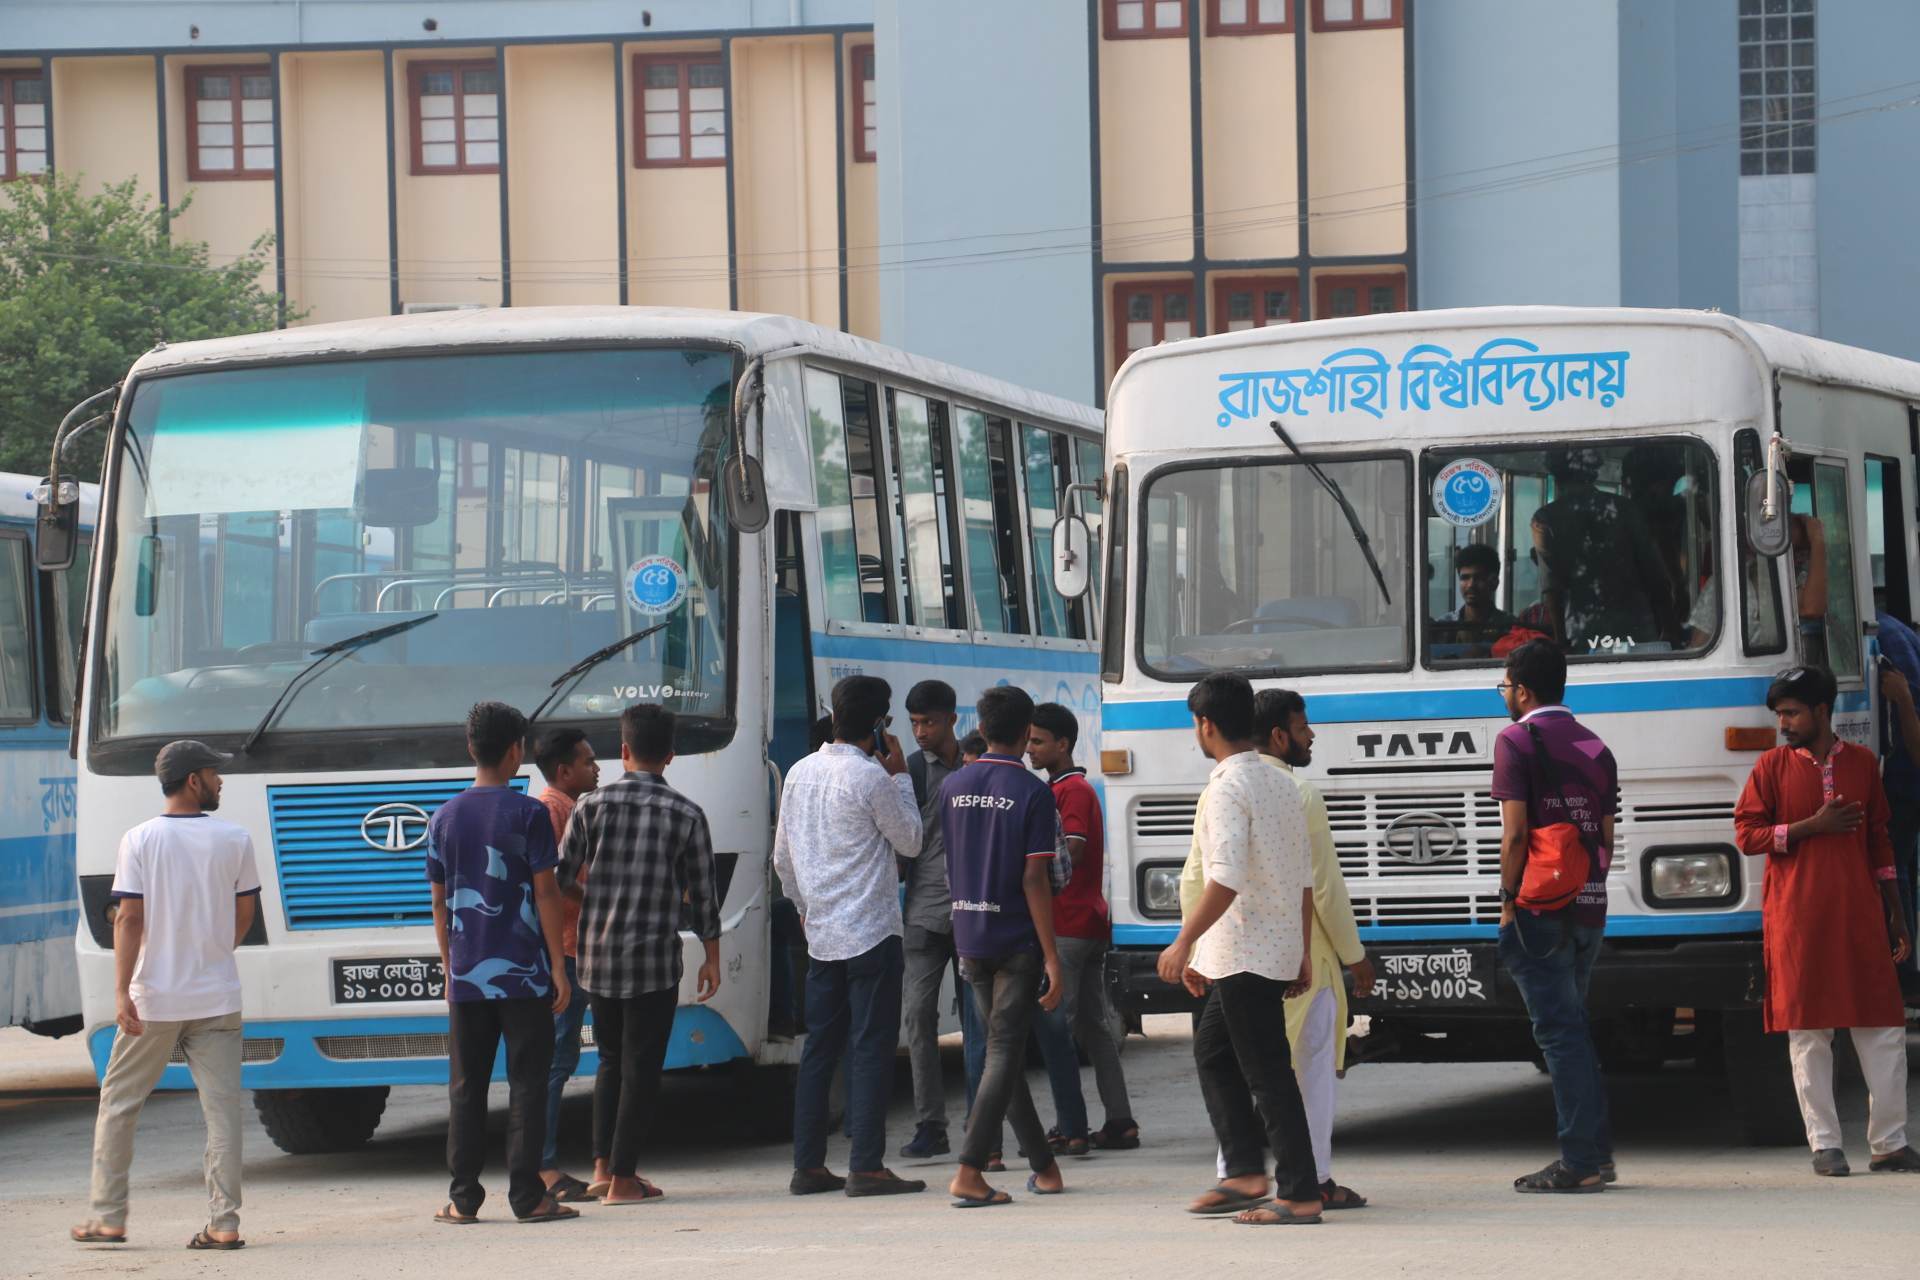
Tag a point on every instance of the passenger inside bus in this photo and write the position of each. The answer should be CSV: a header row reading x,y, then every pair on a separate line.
x,y
1479,622
1610,588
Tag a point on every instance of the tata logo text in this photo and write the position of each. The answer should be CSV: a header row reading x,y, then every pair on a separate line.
x,y
1430,744
1421,838
395,828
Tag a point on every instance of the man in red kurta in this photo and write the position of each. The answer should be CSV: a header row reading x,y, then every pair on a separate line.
x,y
1814,808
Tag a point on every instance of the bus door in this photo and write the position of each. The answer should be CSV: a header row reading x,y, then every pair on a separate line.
x,y
1825,563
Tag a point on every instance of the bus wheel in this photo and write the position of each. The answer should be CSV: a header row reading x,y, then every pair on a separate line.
x,y
765,1097
305,1122
1759,1082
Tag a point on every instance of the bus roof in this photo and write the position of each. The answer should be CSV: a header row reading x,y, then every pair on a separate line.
x,y
16,497
1789,352
754,333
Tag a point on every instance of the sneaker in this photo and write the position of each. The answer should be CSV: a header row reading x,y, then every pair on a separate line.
x,y
1831,1162
928,1141
810,1183
882,1182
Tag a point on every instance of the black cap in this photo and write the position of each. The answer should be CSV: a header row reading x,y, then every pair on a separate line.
x,y
179,759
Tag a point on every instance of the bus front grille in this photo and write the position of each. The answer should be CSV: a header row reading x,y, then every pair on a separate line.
x,y
353,855
252,1049
367,1048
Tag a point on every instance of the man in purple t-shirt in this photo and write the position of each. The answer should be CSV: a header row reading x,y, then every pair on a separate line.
x,y
1002,828
1549,769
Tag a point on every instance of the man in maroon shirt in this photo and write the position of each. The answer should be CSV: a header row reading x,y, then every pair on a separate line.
x,y
1082,931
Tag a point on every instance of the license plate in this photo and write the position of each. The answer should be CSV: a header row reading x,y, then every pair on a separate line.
x,y
388,981
1445,977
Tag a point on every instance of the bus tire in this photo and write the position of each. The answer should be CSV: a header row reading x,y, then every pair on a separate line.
x,y
1760,1082
304,1122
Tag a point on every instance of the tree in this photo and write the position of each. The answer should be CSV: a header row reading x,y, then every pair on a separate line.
x,y
87,284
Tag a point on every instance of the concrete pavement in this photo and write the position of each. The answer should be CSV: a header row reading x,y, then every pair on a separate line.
x,y
1435,1147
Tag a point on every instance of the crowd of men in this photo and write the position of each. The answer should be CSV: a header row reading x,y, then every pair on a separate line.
x,y
963,857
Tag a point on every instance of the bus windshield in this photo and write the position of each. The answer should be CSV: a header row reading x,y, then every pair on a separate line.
x,y
1253,567
542,503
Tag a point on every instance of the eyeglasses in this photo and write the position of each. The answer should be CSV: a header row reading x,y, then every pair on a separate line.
x,y
1505,685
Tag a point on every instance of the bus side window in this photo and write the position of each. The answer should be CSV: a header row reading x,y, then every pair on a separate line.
x,y
1046,467
1089,464
66,604
996,606
853,559
1762,629
1830,507
1007,525
1887,538
920,477
16,633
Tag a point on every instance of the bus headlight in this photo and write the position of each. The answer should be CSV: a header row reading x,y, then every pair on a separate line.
x,y
1699,875
1160,890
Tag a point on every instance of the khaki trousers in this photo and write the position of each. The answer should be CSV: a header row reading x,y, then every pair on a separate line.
x,y
212,1048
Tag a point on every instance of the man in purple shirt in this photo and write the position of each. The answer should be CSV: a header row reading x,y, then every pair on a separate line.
x,y
1002,829
1549,769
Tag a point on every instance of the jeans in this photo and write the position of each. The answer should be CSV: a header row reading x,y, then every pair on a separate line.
x,y
476,1028
566,1060
1903,829
929,958
212,1049
1551,960
853,1010
1062,1061
1087,1013
788,938
973,1041
1246,1077
1006,991
631,1034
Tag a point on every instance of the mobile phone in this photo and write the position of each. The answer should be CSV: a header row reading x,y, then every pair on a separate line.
x,y
880,736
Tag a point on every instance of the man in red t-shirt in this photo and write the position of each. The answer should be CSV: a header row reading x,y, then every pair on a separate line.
x,y
1082,931
566,761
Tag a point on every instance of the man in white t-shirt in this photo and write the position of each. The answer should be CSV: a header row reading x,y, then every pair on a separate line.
x,y
185,891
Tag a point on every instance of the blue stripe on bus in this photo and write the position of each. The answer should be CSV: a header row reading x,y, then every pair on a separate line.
x,y
1678,925
959,653
1747,692
700,1037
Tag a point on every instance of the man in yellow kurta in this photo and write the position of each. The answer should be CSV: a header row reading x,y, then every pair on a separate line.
x,y
1317,1019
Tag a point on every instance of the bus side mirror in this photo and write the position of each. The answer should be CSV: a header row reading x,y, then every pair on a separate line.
x,y
1072,571
746,489
56,524
1769,535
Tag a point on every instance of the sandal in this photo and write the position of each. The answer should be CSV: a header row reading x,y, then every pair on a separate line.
x,y
1335,1196
554,1212
203,1240
1122,1135
1557,1179
454,1218
90,1233
1276,1214
568,1189
1230,1201
995,1164
648,1194
1034,1187
991,1200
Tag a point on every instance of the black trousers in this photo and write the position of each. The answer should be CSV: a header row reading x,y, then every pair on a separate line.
x,y
630,1033
1246,1077
475,1030
1006,993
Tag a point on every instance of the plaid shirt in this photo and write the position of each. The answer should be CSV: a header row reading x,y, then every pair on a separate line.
x,y
647,848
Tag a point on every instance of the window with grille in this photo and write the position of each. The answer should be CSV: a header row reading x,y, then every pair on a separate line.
x,y
230,123
1251,302
865,131
1356,15
1150,312
1249,17
23,124
1335,296
1144,19
682,111
1776,86
456,117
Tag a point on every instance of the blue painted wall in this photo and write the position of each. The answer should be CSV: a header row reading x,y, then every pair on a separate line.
x,y
1513,93
987,138
1868,175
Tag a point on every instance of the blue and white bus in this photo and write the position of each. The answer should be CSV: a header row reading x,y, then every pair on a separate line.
x,y
431,510
39,640
1304,504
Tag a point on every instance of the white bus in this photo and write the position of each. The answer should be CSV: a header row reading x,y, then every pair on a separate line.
x,y
432,510
1295,504
39,639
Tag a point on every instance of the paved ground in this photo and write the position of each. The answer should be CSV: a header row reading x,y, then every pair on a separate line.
x,y
1434,1146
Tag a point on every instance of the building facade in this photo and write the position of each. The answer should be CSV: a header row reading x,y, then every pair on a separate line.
x,y
1033,188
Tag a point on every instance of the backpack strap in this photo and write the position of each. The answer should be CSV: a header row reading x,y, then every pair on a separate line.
x,y
917,770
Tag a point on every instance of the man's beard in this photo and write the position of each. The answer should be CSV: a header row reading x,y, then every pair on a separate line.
x,y
1297,755
208,803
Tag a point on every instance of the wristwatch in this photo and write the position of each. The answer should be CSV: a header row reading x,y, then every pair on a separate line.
x,y
1508,896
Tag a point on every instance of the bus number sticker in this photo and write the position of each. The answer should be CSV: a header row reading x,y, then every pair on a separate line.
x,y
657,585
1466,493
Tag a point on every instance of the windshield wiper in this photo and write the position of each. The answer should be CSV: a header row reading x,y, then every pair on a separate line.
x,y
1333,489
352,644
587,664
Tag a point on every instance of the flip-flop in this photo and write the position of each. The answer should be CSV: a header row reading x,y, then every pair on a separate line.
x,y
90,1235
1353,1200
568,1189
452,1219
648,1195
1234,1203
1033,1185
202,1240
597,1189
993,1199
559,1213
1278,1215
